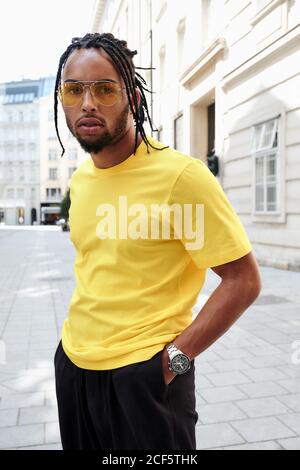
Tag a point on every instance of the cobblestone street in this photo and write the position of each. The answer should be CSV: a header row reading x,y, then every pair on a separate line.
x,y
247,383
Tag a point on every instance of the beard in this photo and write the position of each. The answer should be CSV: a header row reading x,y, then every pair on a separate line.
x,y
107,137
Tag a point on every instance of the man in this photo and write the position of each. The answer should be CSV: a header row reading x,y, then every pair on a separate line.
x,y
125,365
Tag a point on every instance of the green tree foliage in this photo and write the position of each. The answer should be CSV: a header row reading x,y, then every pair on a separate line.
x,y
65,205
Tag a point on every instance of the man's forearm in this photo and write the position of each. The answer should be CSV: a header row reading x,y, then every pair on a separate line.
x,y
226,304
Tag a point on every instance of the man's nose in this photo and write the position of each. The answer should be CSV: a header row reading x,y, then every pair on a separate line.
x,y
88,103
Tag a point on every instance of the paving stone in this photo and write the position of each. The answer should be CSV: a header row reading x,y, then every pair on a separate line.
x,y
219,413
30,383
21,436
18,400
8,417
52,433
204,368
231,365
292,401
260,407
292,371
216,435
290,444
292,385
264,374
208,356
228,378
50,398
270,445
5,391
262,429
236,353
262,389
292,421
202,382
56,446
265,361
36,414
222,394
264,351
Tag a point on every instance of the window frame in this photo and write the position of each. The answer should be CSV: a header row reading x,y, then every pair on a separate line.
x,y
175,121
278,216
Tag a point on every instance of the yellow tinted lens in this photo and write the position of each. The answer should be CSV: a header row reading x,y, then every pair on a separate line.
x,y
106,93
70,93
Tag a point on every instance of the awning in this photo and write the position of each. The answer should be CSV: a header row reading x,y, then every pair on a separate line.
x,y
51,210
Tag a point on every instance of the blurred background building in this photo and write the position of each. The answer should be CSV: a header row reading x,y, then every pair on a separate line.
x,y
33,177
227,84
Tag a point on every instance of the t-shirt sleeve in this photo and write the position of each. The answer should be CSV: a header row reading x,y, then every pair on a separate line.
x,y
211,230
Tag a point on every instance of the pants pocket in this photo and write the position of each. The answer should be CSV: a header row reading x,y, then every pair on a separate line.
x,y
157,360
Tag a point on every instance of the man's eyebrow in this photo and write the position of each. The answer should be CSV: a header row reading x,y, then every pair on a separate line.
x,y
82,81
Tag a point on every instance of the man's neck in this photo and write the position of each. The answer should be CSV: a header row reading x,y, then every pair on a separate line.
x,y
117,152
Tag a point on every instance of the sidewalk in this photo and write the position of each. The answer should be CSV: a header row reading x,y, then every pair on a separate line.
x,y
248,388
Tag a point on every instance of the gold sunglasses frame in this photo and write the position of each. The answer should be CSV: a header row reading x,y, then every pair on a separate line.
x,y
84,84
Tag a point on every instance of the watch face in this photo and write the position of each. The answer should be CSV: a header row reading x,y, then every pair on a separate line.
x,y
180,364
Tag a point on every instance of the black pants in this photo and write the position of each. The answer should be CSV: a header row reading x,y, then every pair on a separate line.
x,y
128,408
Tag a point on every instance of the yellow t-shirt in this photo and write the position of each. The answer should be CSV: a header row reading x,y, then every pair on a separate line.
x,y
135,286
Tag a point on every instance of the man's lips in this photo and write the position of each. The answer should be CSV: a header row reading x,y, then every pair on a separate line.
x,y
89,126
89,122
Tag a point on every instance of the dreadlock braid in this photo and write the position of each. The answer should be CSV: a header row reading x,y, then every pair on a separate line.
x,y
122,58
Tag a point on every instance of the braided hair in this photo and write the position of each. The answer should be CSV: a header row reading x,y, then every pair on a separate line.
x,y
122,59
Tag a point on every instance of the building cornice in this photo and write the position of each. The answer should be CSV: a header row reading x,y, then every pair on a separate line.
x,y
207,56
286,41
265,11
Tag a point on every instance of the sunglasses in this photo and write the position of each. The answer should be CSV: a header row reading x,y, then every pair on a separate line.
x,y
104,92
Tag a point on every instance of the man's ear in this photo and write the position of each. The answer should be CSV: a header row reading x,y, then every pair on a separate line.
x,y
138,97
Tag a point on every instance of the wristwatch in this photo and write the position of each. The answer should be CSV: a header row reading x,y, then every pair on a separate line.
x,y
179,363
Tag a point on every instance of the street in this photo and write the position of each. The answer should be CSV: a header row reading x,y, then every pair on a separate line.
x,y
247,383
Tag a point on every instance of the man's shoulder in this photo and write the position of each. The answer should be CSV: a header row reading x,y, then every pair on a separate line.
x,y
175,159
82,167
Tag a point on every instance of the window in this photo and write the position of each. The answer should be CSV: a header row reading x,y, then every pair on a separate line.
x,y
20,193
208,21
10,193
53,193
178,133
21,173
180,44
162,68
10,174
71,171
265,151
160,134
52,173
52,154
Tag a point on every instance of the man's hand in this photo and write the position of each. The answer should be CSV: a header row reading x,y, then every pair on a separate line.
x,y
168,374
